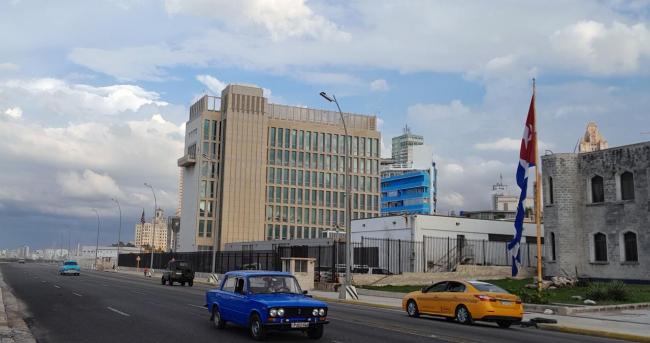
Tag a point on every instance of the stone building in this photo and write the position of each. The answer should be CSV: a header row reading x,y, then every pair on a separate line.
x,y
592,139
597,213
144,232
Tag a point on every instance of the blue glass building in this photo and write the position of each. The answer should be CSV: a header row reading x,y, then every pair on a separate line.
x,y
410,191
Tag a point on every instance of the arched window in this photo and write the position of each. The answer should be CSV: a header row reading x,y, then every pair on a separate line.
x,y
553,246
629,241
627,186
600,247
597,189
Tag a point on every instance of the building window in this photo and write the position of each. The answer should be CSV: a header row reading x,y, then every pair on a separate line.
x,y
550,190
201,228
600,247
597,189
627,186
629,243
552,246
272,136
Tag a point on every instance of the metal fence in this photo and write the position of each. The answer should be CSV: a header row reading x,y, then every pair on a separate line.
x,y
201,261
432,254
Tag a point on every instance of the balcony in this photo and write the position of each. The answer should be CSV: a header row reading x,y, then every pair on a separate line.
x,y
187,161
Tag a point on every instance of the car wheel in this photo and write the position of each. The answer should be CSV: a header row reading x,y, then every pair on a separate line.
x,y
412,309
170,282
256,328
190,283
462,315
217,321
316,332
504,324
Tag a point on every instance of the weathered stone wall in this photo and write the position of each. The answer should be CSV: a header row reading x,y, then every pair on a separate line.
x,y
575,219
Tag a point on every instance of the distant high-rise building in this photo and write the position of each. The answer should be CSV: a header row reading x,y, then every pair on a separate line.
x,y
143,233
592,139
402,151
255,170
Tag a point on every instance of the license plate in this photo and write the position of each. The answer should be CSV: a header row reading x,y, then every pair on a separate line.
x,y
507,303
299,325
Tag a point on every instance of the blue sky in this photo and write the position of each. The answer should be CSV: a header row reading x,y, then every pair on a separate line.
x,y
94,95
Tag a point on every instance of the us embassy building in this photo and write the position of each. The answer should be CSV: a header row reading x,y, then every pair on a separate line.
x,y
253,170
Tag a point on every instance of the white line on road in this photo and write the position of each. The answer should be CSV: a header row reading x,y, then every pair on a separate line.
x,y
77,294
119,312
43,281
57,286
142,293
197,306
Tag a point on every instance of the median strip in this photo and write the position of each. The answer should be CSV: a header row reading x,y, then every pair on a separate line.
x,y
119,312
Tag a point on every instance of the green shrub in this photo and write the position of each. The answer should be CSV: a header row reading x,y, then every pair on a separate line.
x,y
531,296
607,291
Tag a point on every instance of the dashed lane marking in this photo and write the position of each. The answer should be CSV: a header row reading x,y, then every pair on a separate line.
x,y
57,286
197,306
119,312
77,294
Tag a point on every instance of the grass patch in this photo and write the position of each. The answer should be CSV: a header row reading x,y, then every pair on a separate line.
x,y
634,293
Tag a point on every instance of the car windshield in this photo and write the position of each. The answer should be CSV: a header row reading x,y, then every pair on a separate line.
x,y
70,263
488,287
267,284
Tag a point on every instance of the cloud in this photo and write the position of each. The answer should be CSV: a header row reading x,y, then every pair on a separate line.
x,y
327,78
594,47
88,184
506,144
14,112
214,85
281,19
454,109
379,85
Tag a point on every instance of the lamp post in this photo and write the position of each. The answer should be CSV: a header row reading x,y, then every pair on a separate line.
x,y
348,289
119,232
97,242
153,233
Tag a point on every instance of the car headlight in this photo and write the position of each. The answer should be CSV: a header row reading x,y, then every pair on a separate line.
x,y
273,312
280,312
321,312
314,312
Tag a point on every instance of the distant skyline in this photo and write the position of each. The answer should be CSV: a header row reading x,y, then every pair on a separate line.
x,y
94,95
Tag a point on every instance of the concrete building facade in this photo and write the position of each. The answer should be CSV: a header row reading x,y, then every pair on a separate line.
x,y
402,147
597,216
144,232
259,171
408,190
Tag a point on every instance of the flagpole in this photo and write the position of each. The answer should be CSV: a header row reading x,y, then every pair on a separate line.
x,y
537,199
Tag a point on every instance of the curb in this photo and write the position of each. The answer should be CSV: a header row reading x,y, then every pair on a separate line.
x,y
596,333
355,302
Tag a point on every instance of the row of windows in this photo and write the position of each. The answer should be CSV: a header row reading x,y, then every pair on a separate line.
x,y
212,130
205,228
596,188
320,161
628,244
296,177
210,169
299,196
292,232
324,142
207,189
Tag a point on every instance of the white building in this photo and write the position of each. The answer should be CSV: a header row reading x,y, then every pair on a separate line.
x,y
143,233
107,254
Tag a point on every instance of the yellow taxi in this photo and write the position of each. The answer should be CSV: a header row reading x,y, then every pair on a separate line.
x,y
465,301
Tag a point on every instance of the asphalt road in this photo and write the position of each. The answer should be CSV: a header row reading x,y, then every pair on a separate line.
x,y
109,307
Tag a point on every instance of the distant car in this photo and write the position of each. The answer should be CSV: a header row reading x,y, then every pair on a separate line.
x,y
21,261
178,271
69,267
465,301
379,271
265,301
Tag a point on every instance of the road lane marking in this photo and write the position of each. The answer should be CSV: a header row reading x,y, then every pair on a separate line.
x,y
77,294
119,312
43,281
197,306
57,286
138,292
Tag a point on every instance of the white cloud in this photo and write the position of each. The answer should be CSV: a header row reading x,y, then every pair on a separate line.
x,y
379,85
214,85
506,144
454,109
327,78
452,200
14,112
88,184
281,19
594,47
64,98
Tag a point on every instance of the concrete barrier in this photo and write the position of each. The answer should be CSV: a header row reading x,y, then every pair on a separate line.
x,y
463,272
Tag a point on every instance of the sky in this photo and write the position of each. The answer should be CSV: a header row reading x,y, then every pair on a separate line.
x,y
94,95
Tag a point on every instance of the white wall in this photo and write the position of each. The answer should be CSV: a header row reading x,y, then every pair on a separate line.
x,y
187,233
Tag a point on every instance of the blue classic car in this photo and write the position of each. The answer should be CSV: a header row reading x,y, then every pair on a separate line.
x,y
265,301
69,268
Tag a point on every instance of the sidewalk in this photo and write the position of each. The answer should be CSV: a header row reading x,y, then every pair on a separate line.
x,y
633,325
13,328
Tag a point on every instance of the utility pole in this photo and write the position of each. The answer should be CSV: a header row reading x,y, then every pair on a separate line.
x,y
153,235
119,233
97,242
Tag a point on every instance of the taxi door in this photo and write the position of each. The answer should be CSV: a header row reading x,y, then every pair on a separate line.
x,y
449,300
429,300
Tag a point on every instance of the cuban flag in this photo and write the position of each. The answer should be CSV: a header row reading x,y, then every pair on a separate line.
x,y
526,160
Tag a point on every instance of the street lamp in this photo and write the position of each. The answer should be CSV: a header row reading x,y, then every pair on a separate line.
x,y
97,242
119,232
153,234
215,235
348,289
